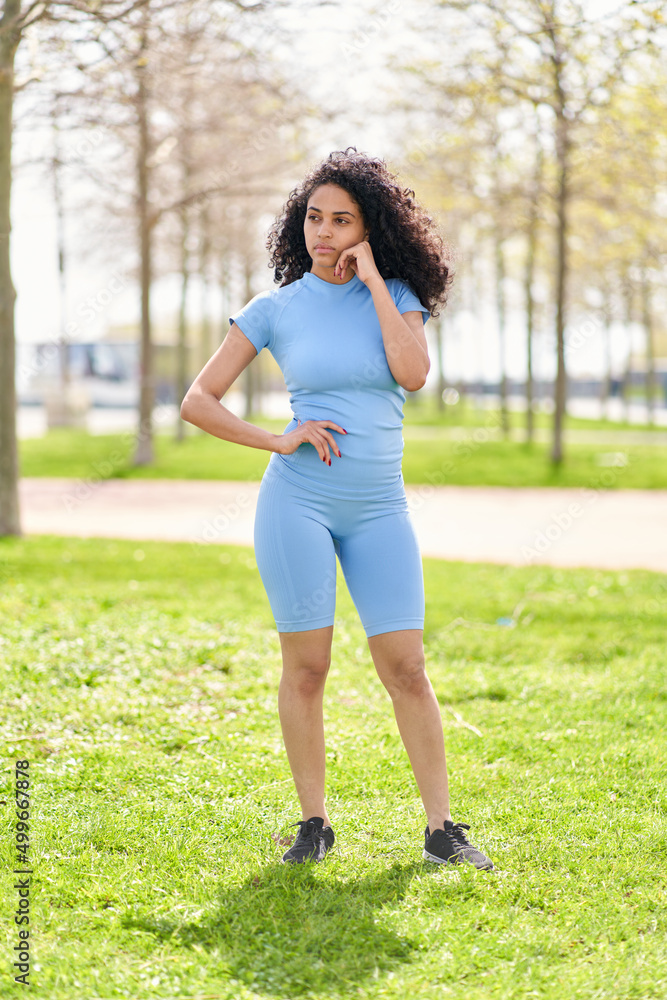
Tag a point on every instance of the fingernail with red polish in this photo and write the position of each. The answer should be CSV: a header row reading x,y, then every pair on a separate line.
x,y
329,461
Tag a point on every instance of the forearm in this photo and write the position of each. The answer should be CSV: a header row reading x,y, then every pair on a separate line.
x,y
203,410
408,361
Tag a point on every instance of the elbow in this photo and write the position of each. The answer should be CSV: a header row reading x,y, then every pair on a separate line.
x,y
186,409
414,386
194,405
415,383
418,381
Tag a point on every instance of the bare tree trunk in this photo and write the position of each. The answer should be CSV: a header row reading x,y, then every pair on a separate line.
x,y
61,410
60,234
529,278
224,327
606,383
144,453
224,294
500,305
10,522
605,388
181,353
560,387
530,416
626,286
647,320
205,346
441,365
476,388
249,387
185,138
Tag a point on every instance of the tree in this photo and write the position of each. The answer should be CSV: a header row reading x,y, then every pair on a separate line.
x,y
17,17
620,214
161,101
11,27
106,43
556,57
549,62
258,125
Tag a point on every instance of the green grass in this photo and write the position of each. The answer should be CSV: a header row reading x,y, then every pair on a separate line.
x,y
422,409
141,681
473,460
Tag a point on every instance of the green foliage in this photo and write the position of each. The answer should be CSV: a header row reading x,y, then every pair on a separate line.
x,y
141,681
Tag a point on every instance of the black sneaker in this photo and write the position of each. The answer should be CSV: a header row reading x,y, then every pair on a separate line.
x,y
312,841
450,846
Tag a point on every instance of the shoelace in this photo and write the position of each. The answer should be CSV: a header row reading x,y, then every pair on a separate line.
x,y
458,836
306,829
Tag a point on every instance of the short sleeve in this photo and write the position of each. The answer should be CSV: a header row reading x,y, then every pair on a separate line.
x,y
405,299
255,320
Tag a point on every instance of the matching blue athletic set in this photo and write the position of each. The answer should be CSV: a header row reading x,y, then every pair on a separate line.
x,y
327,341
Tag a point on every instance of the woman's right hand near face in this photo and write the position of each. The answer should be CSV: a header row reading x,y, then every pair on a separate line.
x,y
313,432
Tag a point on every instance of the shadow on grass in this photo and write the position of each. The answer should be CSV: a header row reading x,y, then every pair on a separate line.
x,y
291,932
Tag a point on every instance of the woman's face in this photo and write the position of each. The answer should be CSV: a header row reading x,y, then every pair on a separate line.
x,y
333,223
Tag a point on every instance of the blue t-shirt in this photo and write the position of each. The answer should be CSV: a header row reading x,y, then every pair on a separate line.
x,y
327,341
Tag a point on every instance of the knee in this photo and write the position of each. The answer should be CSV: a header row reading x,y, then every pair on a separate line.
x,y
405,677
307,678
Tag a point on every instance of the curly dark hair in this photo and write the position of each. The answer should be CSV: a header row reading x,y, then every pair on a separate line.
x,y
403,237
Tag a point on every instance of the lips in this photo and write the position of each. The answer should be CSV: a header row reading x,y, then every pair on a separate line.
x,y
323,246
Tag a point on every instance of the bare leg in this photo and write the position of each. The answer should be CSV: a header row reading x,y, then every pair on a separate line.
x,y
399,661
306,661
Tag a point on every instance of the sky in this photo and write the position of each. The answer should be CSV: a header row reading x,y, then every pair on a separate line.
x,y
341,51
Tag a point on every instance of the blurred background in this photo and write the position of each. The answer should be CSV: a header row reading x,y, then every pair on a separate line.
x,y
154,142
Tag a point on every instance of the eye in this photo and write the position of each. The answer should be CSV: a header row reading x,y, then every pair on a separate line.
x,y
342,220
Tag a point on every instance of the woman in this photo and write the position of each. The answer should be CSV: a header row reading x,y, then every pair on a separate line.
x,y
361,268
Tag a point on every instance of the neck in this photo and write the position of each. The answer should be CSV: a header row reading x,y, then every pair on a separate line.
x,y
326,274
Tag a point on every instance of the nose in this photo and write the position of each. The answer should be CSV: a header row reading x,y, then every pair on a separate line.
x,y
323,230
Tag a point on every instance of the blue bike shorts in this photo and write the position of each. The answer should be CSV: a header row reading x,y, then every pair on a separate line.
x,y
298,534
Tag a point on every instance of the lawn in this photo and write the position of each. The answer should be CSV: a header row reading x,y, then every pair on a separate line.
x,y
472,459
422,408
140,680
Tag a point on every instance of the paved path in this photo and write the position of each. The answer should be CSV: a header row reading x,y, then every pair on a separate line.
x,y
559,527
